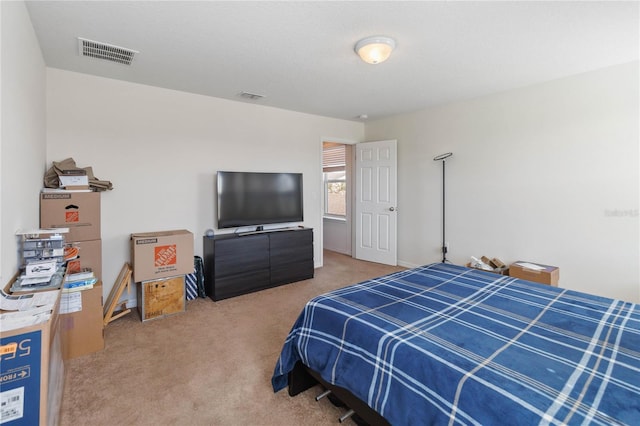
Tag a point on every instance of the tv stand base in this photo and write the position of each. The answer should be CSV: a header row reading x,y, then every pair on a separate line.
x,y
236,264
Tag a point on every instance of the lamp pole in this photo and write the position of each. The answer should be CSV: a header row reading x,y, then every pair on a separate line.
x,y
443,157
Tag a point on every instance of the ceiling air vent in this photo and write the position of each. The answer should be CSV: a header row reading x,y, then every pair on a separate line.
x,y
252,96
108,52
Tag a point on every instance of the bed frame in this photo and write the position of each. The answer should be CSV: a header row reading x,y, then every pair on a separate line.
x,y
302,378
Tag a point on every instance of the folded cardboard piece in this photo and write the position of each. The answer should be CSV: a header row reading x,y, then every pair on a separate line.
x,y
66,174
494,265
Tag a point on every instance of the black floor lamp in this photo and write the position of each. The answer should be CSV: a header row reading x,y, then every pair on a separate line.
x,y
443,157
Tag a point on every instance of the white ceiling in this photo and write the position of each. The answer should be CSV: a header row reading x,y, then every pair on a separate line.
x,y
299,54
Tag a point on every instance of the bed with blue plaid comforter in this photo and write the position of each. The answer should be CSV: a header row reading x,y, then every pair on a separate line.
x,y
445,344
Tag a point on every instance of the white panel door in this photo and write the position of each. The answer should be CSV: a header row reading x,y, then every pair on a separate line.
x,y
375,206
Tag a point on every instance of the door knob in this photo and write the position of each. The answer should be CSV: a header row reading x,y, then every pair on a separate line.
x,y
391,209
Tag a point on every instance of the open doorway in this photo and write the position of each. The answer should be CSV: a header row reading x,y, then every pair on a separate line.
x,y
337,165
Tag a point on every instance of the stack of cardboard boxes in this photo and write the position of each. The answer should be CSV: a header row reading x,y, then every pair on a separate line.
x,y
160,262
81,312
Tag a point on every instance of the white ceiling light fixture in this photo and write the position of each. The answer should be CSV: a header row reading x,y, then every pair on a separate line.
x,y
375,50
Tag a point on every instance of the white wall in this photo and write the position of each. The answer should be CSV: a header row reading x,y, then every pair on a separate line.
x,y
161,148
22,151
547,173
336,238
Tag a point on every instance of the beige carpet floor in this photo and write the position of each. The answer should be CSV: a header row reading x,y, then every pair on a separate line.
x,y
210,365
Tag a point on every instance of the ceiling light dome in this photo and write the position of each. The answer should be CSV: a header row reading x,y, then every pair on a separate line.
x,y
375,50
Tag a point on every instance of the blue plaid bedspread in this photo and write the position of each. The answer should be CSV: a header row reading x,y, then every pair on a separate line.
x,y
445,344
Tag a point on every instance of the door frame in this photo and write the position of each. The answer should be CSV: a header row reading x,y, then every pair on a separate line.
x,y
350,198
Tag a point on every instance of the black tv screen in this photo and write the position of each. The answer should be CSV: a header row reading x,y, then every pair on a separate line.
x,y
254,198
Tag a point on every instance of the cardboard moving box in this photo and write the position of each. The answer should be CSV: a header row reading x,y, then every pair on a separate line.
x,y
78,211
32,372
81,322
89,256
163,254
535,272
159,298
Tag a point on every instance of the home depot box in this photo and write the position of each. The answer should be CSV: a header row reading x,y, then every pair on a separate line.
x,y
78,211
32,372
89,255
81,325
159,298
163,254
536,272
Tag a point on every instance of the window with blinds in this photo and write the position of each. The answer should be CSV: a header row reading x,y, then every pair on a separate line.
x,y
333,157
334,171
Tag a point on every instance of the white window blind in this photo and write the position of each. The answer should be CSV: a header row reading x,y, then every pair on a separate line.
x,y
333,158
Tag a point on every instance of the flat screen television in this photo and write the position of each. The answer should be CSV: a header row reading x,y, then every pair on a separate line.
x,y
258,198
